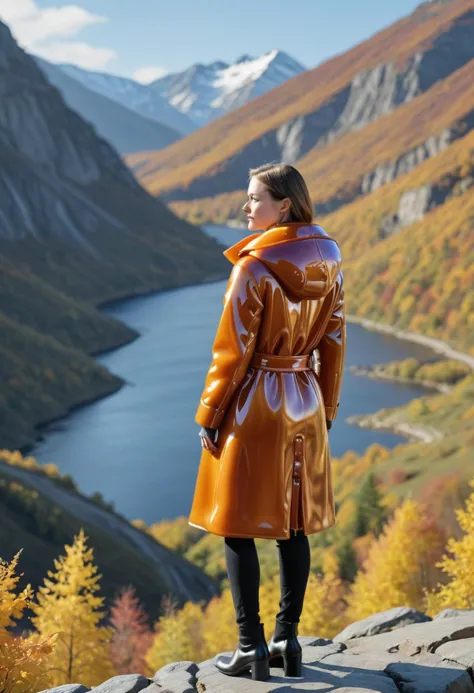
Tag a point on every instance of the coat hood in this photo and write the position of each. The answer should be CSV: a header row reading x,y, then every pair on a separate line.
x,y
302,256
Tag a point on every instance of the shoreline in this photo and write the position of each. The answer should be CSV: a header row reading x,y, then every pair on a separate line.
x,y
433,343
415,433
428,384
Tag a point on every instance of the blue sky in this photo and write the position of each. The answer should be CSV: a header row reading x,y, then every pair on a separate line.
x,y
146,38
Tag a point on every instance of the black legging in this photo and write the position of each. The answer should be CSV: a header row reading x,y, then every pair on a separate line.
x,y
243,569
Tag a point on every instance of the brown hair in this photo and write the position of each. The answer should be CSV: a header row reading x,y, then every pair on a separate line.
x,y
284,180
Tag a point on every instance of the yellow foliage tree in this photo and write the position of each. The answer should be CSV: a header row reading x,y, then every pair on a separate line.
x,y
459,592
22,660
345,514
67,605
269,598
324,604
219,629
178,636
176,534
396,567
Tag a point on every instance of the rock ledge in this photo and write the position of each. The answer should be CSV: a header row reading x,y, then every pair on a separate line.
x,y
400,650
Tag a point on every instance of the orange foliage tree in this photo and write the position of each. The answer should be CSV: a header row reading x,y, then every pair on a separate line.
x,y
132,635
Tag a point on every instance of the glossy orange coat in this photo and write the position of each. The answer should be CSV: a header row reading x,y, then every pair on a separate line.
x,y
274,378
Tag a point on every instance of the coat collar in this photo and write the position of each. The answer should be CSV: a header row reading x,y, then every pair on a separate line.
x,y
282,233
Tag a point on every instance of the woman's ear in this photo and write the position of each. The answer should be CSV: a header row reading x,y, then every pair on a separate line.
x,y
286,205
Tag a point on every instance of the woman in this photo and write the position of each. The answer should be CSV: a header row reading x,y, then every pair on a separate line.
x,y
266,408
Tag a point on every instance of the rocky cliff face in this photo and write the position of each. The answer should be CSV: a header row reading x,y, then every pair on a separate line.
x,y
370,95
54,167
414,204
76,229
60,182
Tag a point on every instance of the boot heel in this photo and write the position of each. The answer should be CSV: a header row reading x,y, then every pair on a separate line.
x,y
260,670
292,664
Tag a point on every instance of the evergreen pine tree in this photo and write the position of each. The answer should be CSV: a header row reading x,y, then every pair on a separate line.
x,y
347,560
370,514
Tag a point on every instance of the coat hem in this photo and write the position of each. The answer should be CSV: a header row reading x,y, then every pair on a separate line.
x,y
234,534
254,536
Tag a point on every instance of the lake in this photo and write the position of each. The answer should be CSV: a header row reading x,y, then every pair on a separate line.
x,y
140,446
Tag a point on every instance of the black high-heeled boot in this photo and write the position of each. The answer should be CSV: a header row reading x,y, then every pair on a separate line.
x,y
285,649
251,653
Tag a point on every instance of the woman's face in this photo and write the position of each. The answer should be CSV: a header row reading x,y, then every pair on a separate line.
x,y
261,209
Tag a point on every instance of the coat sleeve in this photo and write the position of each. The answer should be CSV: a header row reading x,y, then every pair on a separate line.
x,y
332,352
233,346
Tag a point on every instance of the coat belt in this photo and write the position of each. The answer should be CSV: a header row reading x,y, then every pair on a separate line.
x,y
273,362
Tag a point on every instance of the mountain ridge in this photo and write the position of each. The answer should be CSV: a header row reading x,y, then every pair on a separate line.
x,y
299,114
196,95
130,94
126,130
77,230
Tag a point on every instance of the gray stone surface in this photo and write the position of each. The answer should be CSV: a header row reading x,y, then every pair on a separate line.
x,y
452,613
345,671
428,674
313,652
127,683
381,622
67,688
461,651
181,682
178,677
420,637
186,667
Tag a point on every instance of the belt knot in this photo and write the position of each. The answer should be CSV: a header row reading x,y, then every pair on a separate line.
x,y
274,362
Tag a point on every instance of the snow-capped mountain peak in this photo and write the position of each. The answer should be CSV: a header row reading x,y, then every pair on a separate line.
x,y
204,92
194,97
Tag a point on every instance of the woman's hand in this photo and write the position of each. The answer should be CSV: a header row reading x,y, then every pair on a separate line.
x,y
208,437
